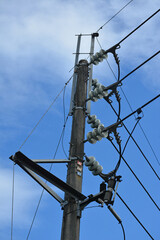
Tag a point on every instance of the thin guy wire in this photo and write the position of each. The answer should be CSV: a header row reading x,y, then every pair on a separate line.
x,y
64,122
12,202
106,24
114,16
129,137
134,216
33,129
131,108
137,178
46,181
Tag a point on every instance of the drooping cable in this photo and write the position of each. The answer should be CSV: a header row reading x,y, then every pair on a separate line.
x,y
135,216
36,125
12,211
114,16
138,146
124,235
39,201
137,178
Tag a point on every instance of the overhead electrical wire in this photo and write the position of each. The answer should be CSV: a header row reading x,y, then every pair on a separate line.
x,y
122,120
36,125
137,178
114,16
139,26
139,66
33,219
134,216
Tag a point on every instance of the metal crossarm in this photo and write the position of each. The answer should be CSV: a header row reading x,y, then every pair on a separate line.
x,y
23,161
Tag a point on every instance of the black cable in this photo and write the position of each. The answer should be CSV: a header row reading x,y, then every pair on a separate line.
x,y
114,16
139,66
137,178
134,216
137,146
122,120
46,182
139,26
124,235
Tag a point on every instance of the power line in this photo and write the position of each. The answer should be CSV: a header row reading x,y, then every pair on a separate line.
x,y
12,212
33,129
114,16
122,120
134,216
139,26
137,178
139,66
35,214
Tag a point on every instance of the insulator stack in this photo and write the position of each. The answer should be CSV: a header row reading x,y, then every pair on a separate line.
x,y
99,57
98,93
97,134
93,165
93,121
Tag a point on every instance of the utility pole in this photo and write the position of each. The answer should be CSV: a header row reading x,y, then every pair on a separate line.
x,y
72,214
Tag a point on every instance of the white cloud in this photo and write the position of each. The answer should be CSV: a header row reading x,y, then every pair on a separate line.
x,y
37,42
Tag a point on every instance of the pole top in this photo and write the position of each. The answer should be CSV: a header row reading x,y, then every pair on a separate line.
x,y
83,62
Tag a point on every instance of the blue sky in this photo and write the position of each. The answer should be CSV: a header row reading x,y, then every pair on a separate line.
x,y
36,46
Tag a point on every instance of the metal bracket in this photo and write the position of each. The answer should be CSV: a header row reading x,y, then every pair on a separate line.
x,y
24,162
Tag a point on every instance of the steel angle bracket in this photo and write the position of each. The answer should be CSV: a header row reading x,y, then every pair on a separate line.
x,y
31,168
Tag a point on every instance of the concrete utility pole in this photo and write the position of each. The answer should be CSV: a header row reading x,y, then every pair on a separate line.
x,y
71,214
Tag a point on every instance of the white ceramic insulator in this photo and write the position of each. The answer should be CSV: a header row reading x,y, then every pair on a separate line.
x,y
94,166
96,123
90,138
89,161
98,170
105,93
92,97
95,135
100,130
94,82
91,119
